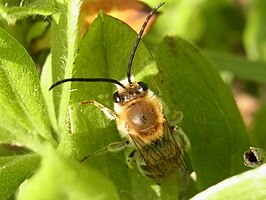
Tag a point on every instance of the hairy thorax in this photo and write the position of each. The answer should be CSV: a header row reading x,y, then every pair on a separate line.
x,y
142,117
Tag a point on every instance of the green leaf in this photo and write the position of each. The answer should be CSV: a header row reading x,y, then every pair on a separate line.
x,y
14,170
24,117
46,82
248,185
17,9
63,178
190,84
64,38
241,67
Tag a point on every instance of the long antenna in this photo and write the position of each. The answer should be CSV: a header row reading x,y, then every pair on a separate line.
x,y
129,61
88,80
138,40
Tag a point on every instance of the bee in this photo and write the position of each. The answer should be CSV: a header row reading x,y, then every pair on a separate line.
x,y
141,122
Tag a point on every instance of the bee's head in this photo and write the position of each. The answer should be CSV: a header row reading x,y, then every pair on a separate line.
x,y
130,92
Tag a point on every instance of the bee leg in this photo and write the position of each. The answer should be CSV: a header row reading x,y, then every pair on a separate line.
x,y
180,136
182,139
117,146
99,152
176,118
112,147
134,160
131,159
155,88
108,113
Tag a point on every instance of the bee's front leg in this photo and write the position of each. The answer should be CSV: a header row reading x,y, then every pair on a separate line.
x,y
108,113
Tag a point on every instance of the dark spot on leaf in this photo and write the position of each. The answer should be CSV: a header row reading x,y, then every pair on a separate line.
x,y
160,71
251,157
172,46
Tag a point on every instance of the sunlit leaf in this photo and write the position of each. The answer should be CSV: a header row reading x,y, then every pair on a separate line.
x,y
248,185
24,119
17,9
14,170
62,178
63,52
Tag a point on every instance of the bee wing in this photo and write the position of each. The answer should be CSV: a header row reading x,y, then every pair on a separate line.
x,y
162,158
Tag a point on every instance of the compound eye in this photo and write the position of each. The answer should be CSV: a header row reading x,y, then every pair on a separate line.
x,y
116,97
143,86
